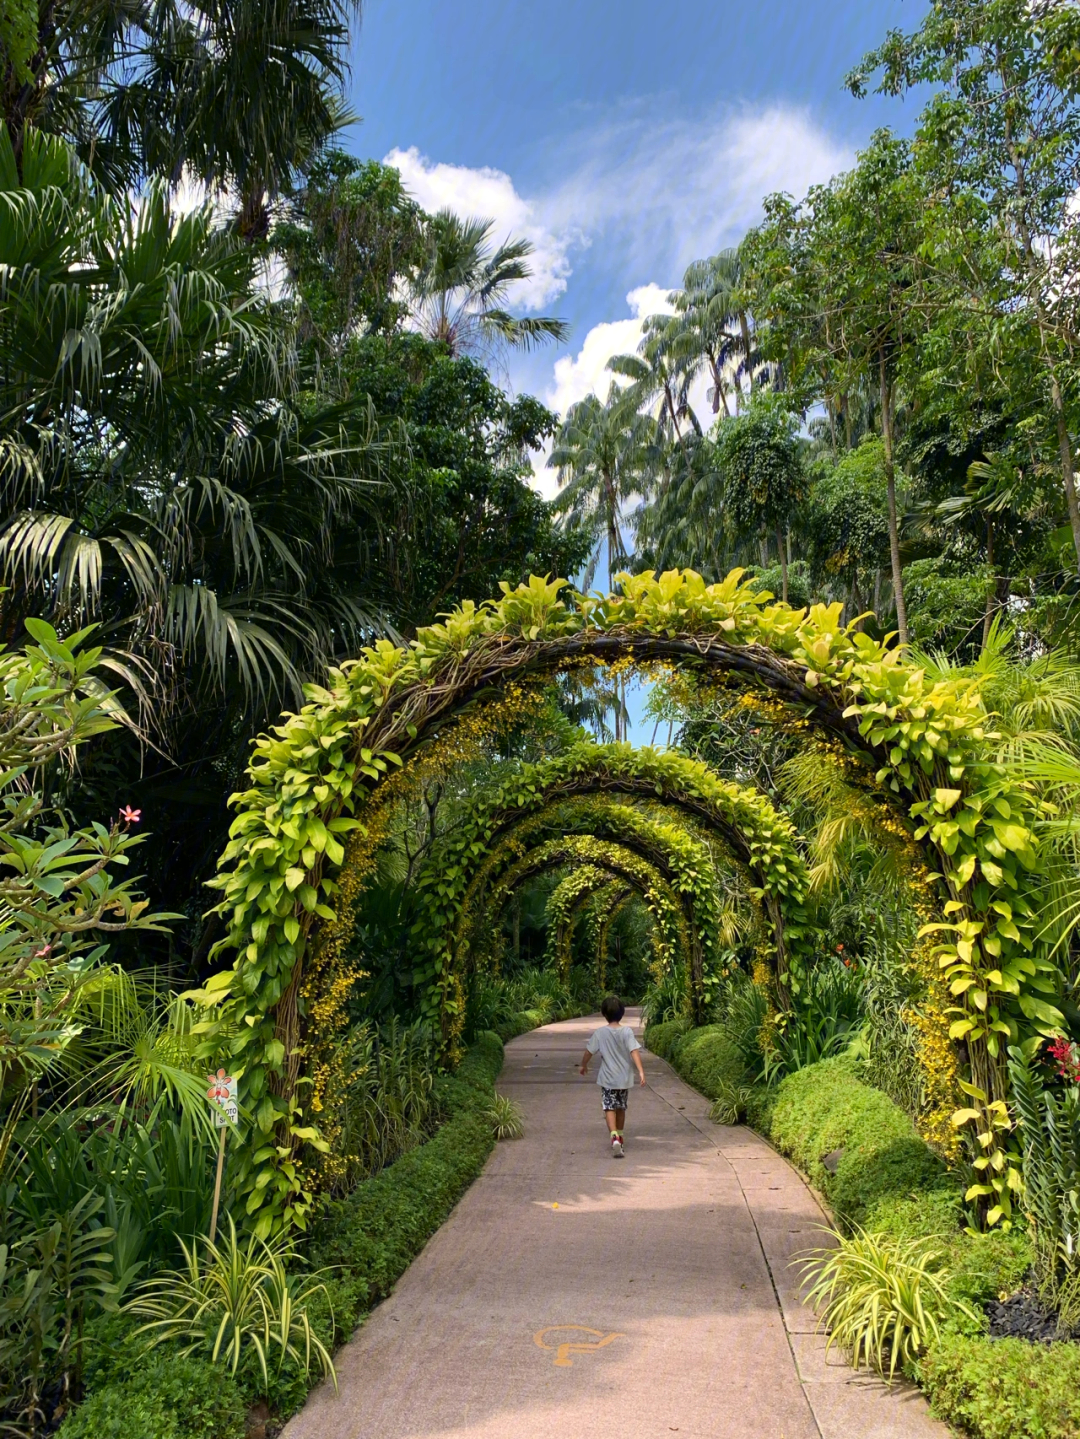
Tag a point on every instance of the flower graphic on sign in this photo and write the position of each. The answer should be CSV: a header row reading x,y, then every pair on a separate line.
x,y
220,1090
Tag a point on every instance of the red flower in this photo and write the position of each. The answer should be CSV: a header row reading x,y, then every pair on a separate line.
x,y
847,963
839,949
129,815
1067,1058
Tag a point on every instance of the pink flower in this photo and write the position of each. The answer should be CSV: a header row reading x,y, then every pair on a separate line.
x,y
1067,1058
129,815
43,952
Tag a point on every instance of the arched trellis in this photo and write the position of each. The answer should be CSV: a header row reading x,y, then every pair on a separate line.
x,y
672,919
753,832
565,905
601,913
460,930
590,893
926,740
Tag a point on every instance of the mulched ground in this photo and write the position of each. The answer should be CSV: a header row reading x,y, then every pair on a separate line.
x,y
1021,1316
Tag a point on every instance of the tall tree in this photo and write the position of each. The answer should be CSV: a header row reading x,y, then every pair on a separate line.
x,y
836,277
237,94
461,290
999,147
763,476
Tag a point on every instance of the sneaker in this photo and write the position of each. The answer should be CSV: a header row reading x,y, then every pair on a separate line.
x,y
616,1147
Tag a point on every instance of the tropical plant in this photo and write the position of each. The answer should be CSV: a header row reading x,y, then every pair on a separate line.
x,y
603,454
237,95
507,1120
1049,1126
60,894
460,291
388,1098
882,1299
51,1281
995,1160
236,1303
758,455
180,487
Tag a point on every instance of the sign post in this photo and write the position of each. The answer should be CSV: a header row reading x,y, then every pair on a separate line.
x,y
221,1092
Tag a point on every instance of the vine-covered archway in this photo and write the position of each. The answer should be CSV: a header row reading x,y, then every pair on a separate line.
x,y
591,894
926,744
457,926
755,834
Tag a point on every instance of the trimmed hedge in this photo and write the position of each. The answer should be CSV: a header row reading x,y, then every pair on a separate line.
x,y
708,1059
662,1039
874,1153
1004,1388
366,1240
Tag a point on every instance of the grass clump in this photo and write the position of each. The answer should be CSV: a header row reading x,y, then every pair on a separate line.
x,y
507,1120
881,1298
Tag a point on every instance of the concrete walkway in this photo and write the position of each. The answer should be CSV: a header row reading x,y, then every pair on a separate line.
x,y
572,1294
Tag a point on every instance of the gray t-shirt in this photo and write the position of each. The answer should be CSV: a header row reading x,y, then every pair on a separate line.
x,y
614,1044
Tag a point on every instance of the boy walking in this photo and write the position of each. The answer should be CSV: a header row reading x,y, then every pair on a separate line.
x,y
616,1047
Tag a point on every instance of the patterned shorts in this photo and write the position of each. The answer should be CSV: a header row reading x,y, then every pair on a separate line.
x,y
613,1098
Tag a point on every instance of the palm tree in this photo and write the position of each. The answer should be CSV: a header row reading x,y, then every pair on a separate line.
x,y
239,94
604,453
459,296
658,378
711,328
161,471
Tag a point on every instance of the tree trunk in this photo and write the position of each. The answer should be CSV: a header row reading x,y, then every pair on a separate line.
x,y
783,564
744,330
763,551
1068,472
877,591
890,485
991,588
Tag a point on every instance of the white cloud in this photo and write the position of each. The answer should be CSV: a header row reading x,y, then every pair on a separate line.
x,y
490,194
585,373
668,192
648,195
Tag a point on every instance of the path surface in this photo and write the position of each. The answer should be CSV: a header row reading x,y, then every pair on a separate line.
x,y
670,1267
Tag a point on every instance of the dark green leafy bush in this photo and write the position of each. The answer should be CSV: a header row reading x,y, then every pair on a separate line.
x,y
661,1039
708,1059
168,1396
1004,1388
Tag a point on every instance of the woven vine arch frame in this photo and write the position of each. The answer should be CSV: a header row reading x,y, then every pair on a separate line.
x,y
599,898
672,920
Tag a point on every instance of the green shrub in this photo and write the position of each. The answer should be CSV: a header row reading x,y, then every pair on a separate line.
x,y
169,1396
708,1059
1004,1388
374,1234
824,1112
661,1039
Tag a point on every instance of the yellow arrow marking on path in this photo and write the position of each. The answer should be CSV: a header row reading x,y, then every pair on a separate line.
x,y
564,1350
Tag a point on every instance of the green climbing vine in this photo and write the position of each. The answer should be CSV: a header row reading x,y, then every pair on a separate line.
x,y
929,741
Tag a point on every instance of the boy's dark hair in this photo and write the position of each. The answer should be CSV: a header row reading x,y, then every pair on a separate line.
x,y
612,1008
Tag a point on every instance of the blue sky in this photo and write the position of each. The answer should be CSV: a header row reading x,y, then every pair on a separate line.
x,y
625,138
